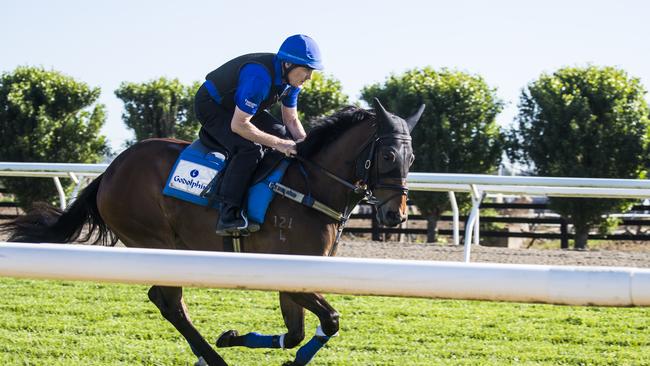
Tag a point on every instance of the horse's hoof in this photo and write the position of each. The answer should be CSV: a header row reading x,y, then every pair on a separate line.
x,y
224,338
201,362
290,363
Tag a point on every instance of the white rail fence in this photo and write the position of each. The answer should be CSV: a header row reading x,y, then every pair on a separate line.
x,y
477,185
602,286
77,172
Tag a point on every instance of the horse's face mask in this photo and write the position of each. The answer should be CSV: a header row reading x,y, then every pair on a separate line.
x,y
389,158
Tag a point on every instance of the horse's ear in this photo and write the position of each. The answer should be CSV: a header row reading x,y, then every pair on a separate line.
x,y
378,107
413,120
385,121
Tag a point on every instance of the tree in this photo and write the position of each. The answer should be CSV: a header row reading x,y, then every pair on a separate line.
x,y
583,122
159,108
457,133
320,96
46,116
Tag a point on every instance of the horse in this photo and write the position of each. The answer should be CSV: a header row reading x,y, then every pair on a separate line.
x,y
351,155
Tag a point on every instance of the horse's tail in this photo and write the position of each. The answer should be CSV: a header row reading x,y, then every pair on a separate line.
x,y
48,224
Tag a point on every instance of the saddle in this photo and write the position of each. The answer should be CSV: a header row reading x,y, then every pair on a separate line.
x,y
196,173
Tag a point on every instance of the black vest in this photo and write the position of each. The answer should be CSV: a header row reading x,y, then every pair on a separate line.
x,y
226,78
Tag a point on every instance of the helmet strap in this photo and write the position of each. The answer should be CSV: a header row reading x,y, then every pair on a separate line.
x,y
286,70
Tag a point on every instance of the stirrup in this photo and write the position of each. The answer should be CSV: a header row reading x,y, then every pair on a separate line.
x,y
251,226
243,230
232,231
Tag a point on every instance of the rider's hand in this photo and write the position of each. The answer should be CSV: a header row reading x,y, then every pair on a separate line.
x,y
287,147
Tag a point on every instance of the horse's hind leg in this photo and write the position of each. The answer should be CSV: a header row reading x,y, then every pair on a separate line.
x,y
329,325
292,305
169,301
294,319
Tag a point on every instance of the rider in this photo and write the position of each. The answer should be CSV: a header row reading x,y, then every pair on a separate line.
x,y
232,107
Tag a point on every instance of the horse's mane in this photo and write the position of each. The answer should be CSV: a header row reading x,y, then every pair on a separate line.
x,y
328,129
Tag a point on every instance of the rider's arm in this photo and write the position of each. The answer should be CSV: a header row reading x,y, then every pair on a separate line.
x,y
291,120
253,87
290,114
241,125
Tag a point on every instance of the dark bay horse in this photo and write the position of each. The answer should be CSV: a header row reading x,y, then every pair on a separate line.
x,y
352,154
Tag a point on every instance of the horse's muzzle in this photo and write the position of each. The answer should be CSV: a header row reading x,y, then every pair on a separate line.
x,y
390,217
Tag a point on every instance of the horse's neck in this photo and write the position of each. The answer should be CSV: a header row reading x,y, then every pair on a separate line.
x,y
339,158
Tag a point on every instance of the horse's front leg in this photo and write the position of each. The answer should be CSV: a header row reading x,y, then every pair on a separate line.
x,y
328,328
169,301
294,319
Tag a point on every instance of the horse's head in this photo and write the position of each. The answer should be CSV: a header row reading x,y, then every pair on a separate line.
x,y
389,157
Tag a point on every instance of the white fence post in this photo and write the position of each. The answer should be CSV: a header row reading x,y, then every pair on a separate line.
x,y
456,220
471,221
59,189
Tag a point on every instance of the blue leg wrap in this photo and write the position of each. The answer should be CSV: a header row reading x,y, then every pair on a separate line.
x,y
308,351
256,340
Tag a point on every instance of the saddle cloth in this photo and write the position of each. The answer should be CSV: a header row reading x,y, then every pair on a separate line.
x,y
196,171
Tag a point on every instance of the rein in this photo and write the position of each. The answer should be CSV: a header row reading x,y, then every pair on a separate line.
x,y
354,187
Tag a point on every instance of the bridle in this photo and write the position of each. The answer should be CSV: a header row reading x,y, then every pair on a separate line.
x,y
371,178
367,175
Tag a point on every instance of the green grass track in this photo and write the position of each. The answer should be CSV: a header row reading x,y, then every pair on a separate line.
x,y
80,323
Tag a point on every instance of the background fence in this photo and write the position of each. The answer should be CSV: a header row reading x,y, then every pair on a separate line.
x,y
554,226
476,184
561,228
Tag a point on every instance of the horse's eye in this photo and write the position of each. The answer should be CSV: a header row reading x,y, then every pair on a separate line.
x,y
389,156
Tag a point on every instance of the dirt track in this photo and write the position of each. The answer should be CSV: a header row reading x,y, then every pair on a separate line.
x,y
395,250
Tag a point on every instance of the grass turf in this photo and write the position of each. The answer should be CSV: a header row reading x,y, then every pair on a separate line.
x,y
81,323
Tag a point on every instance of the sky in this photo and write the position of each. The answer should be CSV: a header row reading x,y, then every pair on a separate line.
x,y
508,43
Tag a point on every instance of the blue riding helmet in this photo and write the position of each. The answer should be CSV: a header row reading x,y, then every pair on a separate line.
x,y
301,50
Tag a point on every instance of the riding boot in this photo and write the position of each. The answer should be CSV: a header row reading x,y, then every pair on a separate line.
x,y
231,220
232,190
